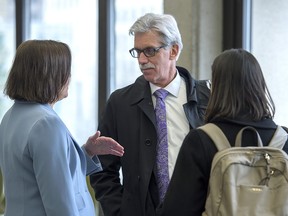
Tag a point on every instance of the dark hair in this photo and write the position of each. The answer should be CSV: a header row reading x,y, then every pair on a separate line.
x,y
40,70
238,88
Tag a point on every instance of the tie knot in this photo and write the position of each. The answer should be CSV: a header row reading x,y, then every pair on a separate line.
x,y
161,93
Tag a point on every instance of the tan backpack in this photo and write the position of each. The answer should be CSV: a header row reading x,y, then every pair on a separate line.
x,y
247,181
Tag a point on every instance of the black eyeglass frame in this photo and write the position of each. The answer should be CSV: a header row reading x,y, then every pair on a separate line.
x,y
152,51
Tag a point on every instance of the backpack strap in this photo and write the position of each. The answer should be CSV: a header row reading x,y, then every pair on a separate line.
x,y
217,136
238,141
279,138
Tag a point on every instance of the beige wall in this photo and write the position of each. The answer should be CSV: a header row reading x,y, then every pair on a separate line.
x,y
200,23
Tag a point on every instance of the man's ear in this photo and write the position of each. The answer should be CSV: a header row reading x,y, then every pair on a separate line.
x,y
174,52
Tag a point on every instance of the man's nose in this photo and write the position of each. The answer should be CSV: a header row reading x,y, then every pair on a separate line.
x,y
142,58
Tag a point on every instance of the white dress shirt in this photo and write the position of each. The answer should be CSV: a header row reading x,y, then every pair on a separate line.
x,y
177,123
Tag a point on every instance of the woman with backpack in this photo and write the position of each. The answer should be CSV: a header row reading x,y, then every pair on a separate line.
x,y
239,98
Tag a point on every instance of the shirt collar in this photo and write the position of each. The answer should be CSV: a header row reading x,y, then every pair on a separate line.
x,y
173,87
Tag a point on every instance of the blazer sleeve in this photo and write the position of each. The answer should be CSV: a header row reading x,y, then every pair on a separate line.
x,y
2,197
93,164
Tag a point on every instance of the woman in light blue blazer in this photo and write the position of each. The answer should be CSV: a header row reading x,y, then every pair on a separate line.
x,y
43,167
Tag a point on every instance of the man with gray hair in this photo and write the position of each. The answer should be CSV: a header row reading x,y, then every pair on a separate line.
x,y
131,117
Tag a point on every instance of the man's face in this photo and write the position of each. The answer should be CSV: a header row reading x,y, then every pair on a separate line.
x,y
160,68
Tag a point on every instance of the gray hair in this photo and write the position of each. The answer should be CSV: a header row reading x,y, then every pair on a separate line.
x,y
164,24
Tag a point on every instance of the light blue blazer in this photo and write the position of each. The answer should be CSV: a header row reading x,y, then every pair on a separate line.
x,y
44,169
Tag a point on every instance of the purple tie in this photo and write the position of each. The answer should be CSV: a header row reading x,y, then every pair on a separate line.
x,y
162,145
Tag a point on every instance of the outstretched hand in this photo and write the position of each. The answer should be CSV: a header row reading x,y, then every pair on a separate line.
x,y
97,145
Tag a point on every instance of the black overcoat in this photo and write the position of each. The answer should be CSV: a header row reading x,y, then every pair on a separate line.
x,y
129,118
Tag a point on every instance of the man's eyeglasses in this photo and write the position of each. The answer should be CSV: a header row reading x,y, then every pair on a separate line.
x,y
148,52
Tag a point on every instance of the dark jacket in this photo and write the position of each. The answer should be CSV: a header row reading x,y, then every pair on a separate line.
x,y
187,191
129,118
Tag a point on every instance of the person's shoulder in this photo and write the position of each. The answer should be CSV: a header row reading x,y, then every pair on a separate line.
x,y
197,133
183,72
198,143
204,84
195,136
50,122
43,116
203,91
285,128
49,131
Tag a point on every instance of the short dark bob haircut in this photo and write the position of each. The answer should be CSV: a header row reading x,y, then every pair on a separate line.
x,y
40,70
239,89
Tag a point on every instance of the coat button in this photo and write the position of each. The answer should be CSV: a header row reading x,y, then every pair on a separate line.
x,y
148,142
